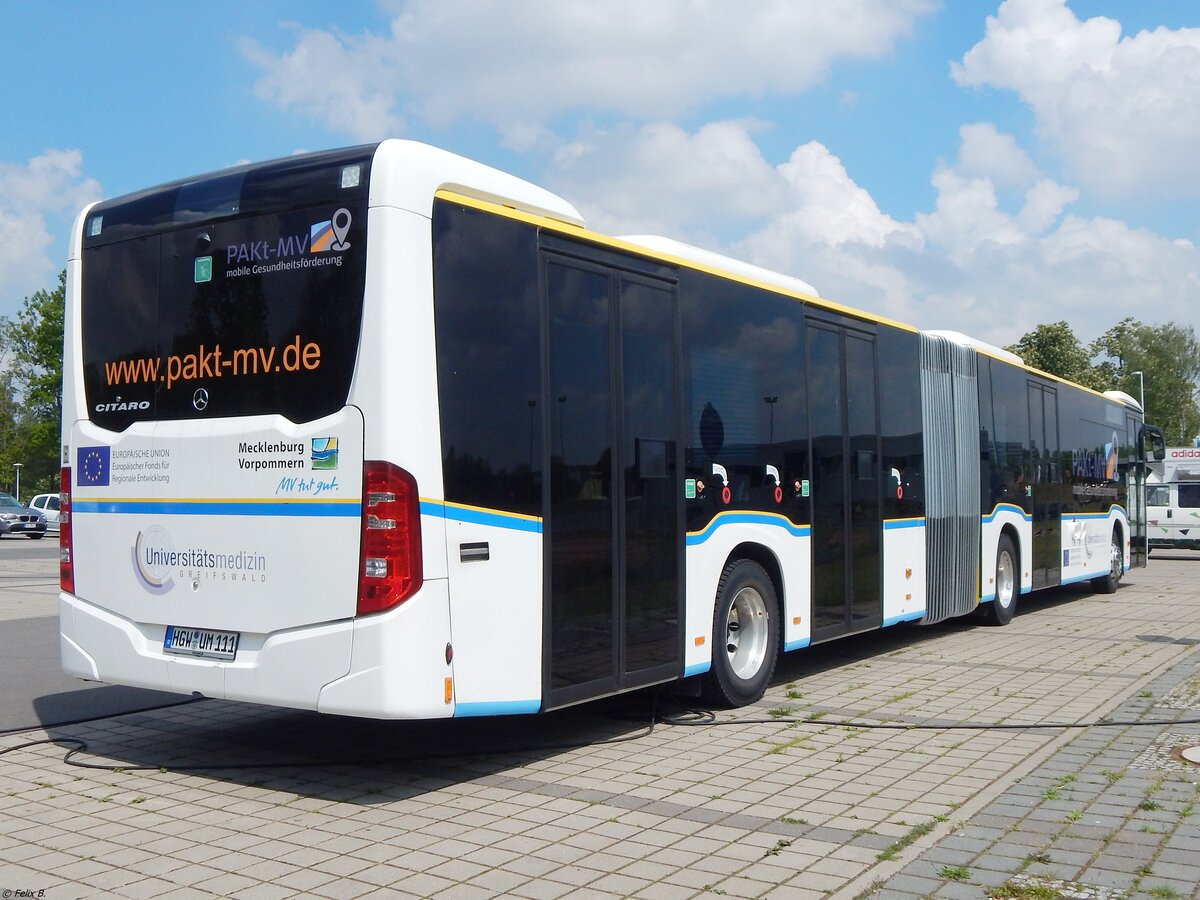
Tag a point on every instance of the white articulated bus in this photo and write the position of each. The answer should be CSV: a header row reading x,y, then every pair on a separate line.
x,y
1173,500
385,432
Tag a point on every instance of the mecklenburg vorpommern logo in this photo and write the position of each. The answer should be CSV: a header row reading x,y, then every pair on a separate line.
x,y
324,453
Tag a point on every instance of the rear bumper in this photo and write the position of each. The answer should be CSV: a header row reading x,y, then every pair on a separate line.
x,y
390,665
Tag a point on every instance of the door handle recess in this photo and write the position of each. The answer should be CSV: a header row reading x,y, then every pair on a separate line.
x,y
476,552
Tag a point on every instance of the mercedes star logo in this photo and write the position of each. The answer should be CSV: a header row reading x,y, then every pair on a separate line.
x,y
200,399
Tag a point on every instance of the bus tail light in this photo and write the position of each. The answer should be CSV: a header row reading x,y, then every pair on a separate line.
x,y
66,562
390,569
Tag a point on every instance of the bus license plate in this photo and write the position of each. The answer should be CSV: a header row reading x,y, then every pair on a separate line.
x,y
202,642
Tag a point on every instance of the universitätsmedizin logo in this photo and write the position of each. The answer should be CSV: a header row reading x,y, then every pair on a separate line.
x,y
153,554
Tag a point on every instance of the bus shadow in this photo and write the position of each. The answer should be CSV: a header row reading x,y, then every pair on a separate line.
x,y
370,761
353,760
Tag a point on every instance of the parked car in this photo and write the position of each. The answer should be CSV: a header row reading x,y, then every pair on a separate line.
x,y
18,519
47,505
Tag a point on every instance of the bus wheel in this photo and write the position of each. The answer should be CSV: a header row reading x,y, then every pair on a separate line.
x,y
1000,611
1107,584
745,636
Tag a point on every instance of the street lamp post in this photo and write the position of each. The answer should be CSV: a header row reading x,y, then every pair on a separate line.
x,y
17,468
771,401
1141,390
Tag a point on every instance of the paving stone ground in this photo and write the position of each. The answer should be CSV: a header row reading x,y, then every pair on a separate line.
x,y
782,800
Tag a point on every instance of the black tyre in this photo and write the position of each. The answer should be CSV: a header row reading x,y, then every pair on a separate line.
x,y
1000,611
35,537
1107,584
745,636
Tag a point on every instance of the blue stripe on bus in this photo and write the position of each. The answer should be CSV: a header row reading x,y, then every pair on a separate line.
x,y
1074,579
904,617
796,645
475,516
697,669
695,538
1007,507
351,509
989,598
892,524
497,708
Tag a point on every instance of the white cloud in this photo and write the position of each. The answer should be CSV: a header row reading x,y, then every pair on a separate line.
x,y
347,83
988,152
47,191
1044,203
1124,112
517,65
660,179
827,207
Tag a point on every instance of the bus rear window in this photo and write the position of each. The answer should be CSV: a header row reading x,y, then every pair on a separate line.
x,y
242,316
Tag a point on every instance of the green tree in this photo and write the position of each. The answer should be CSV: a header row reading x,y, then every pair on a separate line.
x,y
10,428
1168,358
32,388
1055,349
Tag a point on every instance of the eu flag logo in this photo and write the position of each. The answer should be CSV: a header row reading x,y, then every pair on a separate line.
x,y
92,463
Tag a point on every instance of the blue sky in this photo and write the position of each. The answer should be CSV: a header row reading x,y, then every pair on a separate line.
x,y
975,165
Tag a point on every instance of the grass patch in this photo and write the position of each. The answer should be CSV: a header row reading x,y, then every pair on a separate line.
x,y
1012,890
914,834
797,742
954,873
779,847
1164,891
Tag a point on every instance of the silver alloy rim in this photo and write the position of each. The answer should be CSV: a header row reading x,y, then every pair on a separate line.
x,y
746,633
1115,562
1004,579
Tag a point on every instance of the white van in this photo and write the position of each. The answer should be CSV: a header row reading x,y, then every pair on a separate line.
x,y
1173,500
47,505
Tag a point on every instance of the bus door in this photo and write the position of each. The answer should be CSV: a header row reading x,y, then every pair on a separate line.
x,y
614,530
846,493
1134,473
1049,494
